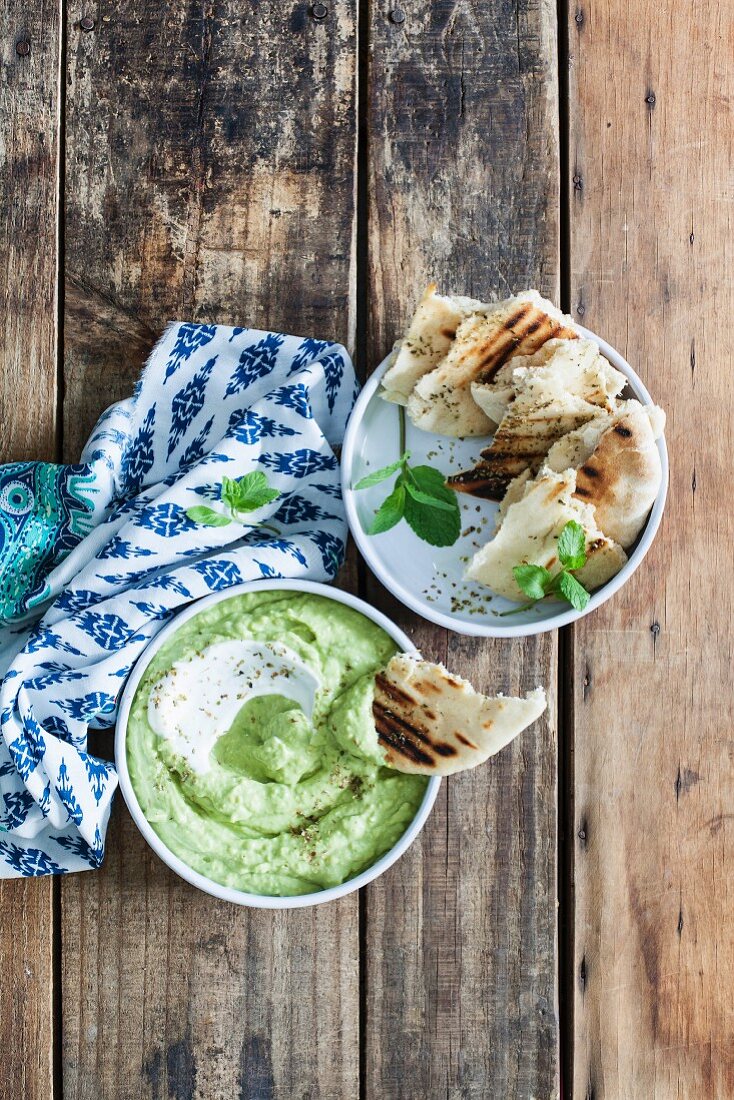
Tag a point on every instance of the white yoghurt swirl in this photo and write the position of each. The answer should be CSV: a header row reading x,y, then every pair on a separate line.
x,y
198,699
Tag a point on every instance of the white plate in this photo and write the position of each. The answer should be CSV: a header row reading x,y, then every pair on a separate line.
x,y
427,579
229,893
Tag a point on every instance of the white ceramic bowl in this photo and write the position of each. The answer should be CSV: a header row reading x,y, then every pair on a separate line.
x,y
429,580
228,893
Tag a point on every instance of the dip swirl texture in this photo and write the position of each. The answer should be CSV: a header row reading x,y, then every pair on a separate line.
x,y
289,803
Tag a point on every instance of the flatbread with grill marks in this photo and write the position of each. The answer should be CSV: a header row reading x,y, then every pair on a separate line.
x,y
561,366
427,340
442,400
618,467
521,442
561,387
529,533
430,722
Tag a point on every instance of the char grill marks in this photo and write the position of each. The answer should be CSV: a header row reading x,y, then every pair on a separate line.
x,y
400,732
524,331
491,476
590,481
483,481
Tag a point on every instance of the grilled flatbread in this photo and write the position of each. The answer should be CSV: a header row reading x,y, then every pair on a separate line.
x,y
430,722
573,449
515,492
560,367
442,401
427,340
564,385
529,533
618,467
521,442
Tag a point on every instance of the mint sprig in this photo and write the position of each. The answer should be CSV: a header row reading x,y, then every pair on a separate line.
x,y
240,496
537,582
419,496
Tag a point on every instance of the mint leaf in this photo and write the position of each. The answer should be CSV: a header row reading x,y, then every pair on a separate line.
x,y
533,580
382,475
573,591
572,545
436,520
537,582
248,493
421,497
228,491
432,481
389,513
430,501
207,517
435,525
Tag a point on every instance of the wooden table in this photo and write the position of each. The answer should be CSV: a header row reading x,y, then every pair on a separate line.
x,y
567,914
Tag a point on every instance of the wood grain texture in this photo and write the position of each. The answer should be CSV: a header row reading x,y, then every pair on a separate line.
x,y
651,238
169,993
210,170
29,93
29,133
26,989
210,176
460,966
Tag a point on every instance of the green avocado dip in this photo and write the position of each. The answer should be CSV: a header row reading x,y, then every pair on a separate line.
x,y
252,749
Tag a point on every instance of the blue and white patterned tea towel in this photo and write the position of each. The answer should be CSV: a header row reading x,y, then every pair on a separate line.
x,y
105,550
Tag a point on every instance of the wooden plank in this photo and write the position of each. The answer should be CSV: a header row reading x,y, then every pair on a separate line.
x,y
461,961
651,233
210,175
29,135
26,988
29,132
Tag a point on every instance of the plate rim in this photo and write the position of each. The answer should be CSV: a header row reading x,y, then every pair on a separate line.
x,y
486,629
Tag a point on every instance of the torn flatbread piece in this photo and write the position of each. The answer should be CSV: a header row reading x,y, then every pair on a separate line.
x,y
442,401
561,366
573,449
529,534
618,467
427,340
515,492
521,442
564,385
430,722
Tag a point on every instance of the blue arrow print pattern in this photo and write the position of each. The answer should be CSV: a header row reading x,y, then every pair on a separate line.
x,y
120,555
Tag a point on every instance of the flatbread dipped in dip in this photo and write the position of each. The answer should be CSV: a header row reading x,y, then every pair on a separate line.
x,y
430,722
252,749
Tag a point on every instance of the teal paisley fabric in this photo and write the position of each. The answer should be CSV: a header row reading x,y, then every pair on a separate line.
x,y
45,511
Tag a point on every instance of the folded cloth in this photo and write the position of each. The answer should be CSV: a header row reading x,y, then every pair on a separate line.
x,y
108,549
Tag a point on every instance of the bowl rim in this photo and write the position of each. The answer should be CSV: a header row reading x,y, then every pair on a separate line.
x,y
182,869
500,629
